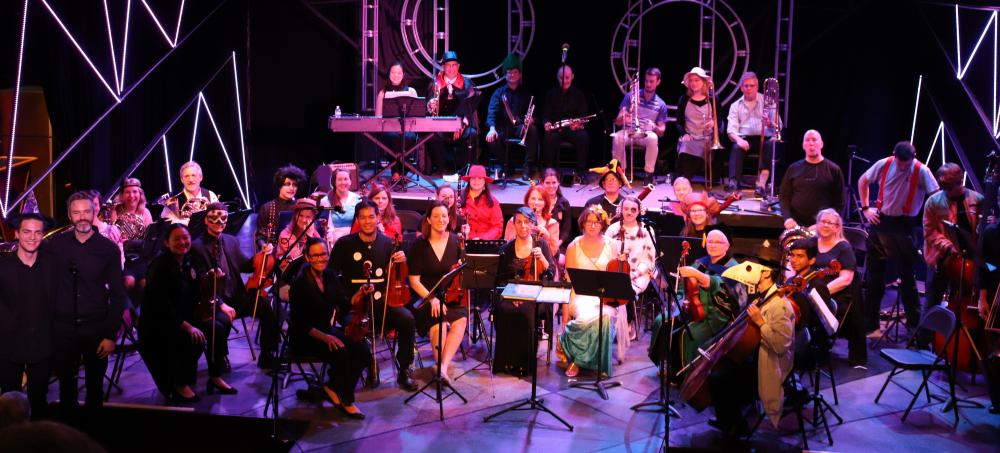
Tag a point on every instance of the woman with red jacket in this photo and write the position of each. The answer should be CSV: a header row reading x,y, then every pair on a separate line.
x,y
481,208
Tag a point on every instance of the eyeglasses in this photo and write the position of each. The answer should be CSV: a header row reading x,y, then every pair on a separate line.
x,y
630,209
697,211
829,223
317,256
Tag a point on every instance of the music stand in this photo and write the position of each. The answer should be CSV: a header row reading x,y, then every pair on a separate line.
x,y
525,293
671,246
477,329
480,273
437,380
617,285
966,250
401,107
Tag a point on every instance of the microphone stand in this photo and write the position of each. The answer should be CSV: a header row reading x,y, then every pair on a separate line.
x,y
853,200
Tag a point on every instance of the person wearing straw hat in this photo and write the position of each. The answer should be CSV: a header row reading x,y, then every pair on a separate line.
x,y
694,123
481,208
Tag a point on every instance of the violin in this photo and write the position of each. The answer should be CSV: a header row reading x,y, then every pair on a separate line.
x,y
735,343
360,325
397,287
618,265
533,266
695,311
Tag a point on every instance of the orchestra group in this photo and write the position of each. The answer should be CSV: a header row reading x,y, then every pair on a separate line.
x,y
336,256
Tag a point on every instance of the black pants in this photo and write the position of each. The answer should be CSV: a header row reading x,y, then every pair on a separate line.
x,y
344,365
171,358
581,144
514,349
466,149
401,320
267,320
737,155
220,348
892,241
732,391
690,165
38,382
72,341
501,150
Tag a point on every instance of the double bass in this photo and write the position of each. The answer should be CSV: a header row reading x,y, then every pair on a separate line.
x,y
736,342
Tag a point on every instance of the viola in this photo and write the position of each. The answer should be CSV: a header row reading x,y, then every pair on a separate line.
x,y
397,286
695,311
260,280
735,343
532,267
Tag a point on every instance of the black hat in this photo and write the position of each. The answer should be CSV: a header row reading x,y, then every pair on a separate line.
x,y
449,55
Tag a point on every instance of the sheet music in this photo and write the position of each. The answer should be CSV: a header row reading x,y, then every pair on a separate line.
x,y
554,296
514,291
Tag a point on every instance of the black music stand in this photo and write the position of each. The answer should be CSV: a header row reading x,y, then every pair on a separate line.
x,y
480,273
533,402
966,250
437,380
477,328
617,285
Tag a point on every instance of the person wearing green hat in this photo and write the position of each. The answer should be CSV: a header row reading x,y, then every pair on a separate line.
x,y
506,118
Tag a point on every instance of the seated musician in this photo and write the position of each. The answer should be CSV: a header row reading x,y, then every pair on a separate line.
x,y
694,124
453,94
395,86
707,274
342,200
559,208
193,198
682,187
736,388
520,258
612,179
132,218
565,102
373,246
547,228
578,345
286,181
292,239
173,331
700,211
316,301
506,118
446,194
652,121
431,257
844,288
815,330
641,259
480,207
388,223
104,226
221,251
748,127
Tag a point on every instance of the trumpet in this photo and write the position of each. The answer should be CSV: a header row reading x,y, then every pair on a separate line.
x,y
527,120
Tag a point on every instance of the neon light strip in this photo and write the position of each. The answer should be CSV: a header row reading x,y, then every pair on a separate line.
x,y
111,46
916,105
166,163
239,116
961,70
156,21
958,45
930,149
194,129
128,19
177,31
82,53
225,152
13,118
996,36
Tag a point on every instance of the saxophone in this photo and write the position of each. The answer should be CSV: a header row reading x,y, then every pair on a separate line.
x,y
433,102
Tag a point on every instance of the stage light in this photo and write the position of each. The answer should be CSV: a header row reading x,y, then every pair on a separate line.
x,y
991,22
128,19
194,129
180,14
930,149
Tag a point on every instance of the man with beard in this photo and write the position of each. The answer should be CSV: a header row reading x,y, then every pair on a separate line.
x,y
89,305
369,245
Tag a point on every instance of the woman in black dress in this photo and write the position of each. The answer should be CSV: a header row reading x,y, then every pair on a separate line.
x,y
171,337
430,258
514,320
316,299
844,287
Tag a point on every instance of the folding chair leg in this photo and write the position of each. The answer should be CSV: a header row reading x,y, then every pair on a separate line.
x,y
802,428
923,384
886,384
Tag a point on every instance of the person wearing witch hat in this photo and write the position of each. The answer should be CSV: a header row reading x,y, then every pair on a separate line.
x,y
507,120
453,94
612,179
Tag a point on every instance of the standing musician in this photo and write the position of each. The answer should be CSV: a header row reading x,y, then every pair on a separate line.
x,y
578,345
694,124
559,208
546,227
641,256
565,102
222,252
27,308
520,258
88,311
612,179
388,223
317,301
736,388
374,247
448,195
748,127
173,333
480,207
431,257
287,181
193,198
707,272
395,87
810,184
507,117
453,94
958,205
342,201
652,119
903,183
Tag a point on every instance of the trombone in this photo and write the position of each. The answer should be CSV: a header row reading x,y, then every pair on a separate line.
x,y
715,135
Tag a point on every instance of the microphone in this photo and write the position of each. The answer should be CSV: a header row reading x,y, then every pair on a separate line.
x,y
565,50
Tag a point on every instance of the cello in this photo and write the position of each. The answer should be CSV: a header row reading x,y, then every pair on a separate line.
x,y
736,342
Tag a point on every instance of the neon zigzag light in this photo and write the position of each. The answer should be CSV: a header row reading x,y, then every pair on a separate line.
x,y
960,70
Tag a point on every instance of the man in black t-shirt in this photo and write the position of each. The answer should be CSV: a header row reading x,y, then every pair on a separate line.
x,y
811,184
348,258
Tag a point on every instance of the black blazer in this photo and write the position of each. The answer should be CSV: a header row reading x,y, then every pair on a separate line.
x,y
312,309
171,295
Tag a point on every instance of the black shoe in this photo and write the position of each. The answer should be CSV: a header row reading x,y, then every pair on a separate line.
x,y
405,381
267,363
372,380
175,398
212,387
